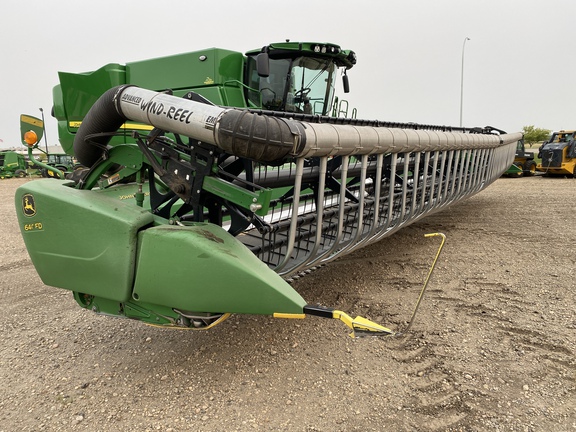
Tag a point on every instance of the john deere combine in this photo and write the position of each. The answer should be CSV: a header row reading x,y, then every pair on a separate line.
x,y
212,178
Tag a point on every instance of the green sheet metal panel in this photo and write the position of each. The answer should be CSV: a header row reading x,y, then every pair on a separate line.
x,y
203,268
80,240
205,68
76,94
81,90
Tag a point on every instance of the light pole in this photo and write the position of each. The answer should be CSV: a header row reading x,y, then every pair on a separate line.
x,y
462,80
44,128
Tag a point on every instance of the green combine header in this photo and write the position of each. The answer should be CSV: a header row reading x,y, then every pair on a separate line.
x,y
211,179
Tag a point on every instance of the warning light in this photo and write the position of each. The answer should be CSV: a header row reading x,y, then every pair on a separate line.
x,y
30,138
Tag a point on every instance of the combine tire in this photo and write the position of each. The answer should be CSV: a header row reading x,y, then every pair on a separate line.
x,y
20,173
529,169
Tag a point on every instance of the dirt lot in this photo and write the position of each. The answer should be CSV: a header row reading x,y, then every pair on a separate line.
x,y
492,349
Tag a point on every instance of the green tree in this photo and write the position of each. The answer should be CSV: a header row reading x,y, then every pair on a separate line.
x,y
533,135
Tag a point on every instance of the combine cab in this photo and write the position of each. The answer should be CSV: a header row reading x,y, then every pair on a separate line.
x,y
213,178
559,154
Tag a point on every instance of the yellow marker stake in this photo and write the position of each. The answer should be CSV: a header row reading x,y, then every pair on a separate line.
x,y
360,324
427,277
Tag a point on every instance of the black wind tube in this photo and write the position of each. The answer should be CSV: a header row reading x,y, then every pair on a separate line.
x,y
103,117
257,137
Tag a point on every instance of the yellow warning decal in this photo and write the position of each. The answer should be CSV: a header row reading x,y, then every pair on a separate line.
x,y
288,315
130,126
113,179
31,120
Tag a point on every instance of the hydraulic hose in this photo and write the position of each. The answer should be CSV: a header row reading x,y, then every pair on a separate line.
x,y
102,117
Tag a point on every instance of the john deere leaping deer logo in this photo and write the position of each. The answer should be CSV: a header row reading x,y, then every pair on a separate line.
x,y
28,205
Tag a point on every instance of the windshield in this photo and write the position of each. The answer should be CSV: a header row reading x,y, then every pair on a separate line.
x,y
562,137
59,158
303,85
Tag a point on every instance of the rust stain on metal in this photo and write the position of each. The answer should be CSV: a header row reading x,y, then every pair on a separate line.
x,y
210,236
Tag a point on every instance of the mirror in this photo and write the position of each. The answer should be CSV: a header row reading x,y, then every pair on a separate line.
x,y
346,83
263,65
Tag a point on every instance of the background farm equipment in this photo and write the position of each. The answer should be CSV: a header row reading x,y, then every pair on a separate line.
x,y
558,154
207,199
524,163
12,164
61,161
56,165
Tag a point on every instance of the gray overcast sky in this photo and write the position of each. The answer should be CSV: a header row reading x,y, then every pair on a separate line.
x,y
520,62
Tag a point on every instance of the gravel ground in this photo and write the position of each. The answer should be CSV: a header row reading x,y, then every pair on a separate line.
x,y
492,348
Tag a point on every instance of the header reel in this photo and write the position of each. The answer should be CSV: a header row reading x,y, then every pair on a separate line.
x,y
212,211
